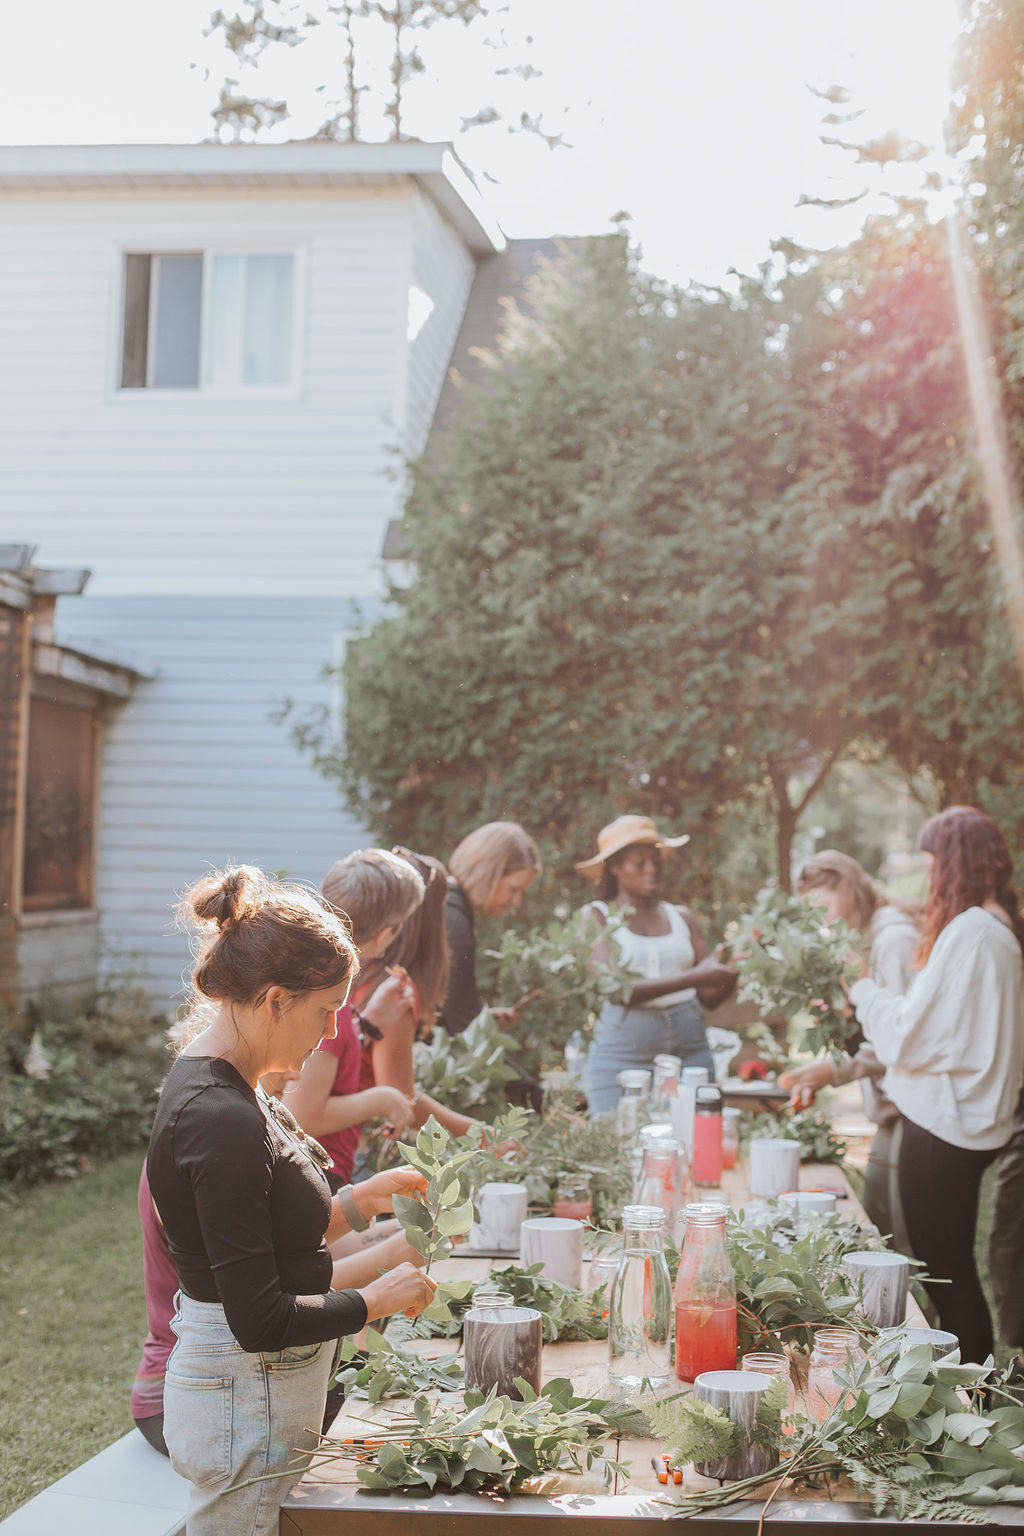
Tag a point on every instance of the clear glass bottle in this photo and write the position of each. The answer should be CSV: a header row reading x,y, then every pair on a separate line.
x,y
660,1179
573,1197
706,1164
632,1105
835,1349
664,1088
730,1136
640,1303
705,1296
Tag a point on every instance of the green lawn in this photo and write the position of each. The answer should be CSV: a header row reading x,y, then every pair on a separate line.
x,y
73,1322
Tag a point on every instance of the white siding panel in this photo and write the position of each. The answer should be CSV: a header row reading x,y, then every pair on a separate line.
x,y
187,494
195,772
443,269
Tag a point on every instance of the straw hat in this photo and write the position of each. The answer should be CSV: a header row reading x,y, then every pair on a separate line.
x,y
622,833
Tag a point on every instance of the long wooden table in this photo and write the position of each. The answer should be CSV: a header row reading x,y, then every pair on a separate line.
x,y
329,1502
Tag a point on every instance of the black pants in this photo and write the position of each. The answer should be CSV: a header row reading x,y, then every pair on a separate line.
x,y
1006,1243
939,1191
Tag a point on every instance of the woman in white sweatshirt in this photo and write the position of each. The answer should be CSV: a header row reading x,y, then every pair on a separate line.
x,y
890,940
953,1048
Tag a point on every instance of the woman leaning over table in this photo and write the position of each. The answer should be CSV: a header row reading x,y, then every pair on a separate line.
x,y
890,938
663,946
954,1052
488,875
247,1211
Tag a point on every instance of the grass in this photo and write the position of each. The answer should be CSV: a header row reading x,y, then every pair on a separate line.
x,y
74,1320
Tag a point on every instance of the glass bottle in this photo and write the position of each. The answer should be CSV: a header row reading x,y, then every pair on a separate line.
x,y
664,1087
835,1349
573,1197
660,1178
705,1298
772,1365
640,1303
632,1105
575,1057
682,1109
707,1137
730,1137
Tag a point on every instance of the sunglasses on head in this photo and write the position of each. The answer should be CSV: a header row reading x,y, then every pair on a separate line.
x,y
430,872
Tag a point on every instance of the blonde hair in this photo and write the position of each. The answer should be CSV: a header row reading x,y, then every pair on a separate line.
x,y
374,889
860,897
486,856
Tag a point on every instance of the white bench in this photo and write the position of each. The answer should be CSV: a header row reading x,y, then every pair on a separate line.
x,y
127,1490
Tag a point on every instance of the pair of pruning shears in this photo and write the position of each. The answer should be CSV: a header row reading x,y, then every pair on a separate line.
x,y
663,1467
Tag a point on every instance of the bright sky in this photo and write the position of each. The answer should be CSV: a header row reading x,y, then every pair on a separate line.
x,y
694,116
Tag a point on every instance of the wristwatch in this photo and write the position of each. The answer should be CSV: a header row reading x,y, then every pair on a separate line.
x,y
351,1212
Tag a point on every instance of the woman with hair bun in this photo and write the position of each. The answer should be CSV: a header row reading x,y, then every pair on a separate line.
x,y
954,1050
246,1208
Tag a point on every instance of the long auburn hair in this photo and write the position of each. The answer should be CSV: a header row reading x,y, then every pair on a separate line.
x,y
422,945
973,864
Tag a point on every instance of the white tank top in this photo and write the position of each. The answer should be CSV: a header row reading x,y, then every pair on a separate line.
x,y
649,957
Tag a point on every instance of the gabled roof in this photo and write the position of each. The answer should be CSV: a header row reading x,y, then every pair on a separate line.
x,y
308,163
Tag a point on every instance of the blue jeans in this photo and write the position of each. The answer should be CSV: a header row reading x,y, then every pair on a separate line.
x,y
632,1037
230,1416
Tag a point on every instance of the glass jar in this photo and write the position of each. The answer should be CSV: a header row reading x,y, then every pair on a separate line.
x,y
730,1137
632,1105
835,1349
766,1364
573,1197
640,1303
706,1164
705,1295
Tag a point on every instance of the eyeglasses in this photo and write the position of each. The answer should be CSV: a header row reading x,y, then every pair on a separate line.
x,y
287,1121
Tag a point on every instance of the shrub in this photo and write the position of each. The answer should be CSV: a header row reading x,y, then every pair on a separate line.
x,y
98,1097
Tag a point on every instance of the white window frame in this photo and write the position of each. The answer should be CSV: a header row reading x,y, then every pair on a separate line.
x,y
203,391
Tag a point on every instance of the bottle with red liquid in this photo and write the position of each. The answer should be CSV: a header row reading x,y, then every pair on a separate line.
x,y
573,1197
705,1295
706,1166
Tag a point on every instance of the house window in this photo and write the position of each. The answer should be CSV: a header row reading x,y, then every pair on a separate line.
x,y
214,320
59,807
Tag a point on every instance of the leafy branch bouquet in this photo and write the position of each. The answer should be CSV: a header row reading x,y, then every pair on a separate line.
x,y
791,961
547,976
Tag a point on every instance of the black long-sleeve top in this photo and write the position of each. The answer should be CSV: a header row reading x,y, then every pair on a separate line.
x,y
245,1211
462,1001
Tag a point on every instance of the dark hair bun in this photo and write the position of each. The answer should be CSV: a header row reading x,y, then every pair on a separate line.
x,y
231,898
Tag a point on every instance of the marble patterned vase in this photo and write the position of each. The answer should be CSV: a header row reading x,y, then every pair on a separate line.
x,y
502,1210
885,1278
501,1343
774,1166
738,1395
557,1243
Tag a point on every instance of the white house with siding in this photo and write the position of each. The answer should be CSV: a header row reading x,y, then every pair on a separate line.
x,y
213,360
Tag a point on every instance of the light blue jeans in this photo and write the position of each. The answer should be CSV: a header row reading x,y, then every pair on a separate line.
x,y
230,1416
632,1037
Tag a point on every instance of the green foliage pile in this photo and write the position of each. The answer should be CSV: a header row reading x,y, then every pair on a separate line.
x,y
393,1370
467,1071
788,1285
97,1099
818,1141
568,1314
495,1444
565,1141
904,1435
791,961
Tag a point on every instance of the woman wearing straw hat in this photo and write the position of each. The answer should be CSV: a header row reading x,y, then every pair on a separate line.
x,y
664,947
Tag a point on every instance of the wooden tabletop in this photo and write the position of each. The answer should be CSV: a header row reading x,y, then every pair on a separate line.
x,y
328,1502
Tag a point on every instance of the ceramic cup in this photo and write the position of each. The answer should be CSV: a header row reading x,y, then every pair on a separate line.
x,y
502,1211
556,1242
774,1166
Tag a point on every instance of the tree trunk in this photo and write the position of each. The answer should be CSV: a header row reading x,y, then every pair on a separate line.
x,y
786,827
